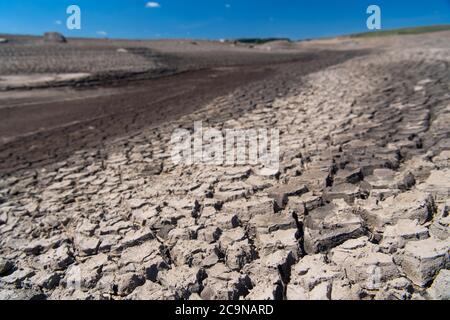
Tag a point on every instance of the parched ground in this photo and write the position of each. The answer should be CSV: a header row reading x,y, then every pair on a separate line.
x,y
358,209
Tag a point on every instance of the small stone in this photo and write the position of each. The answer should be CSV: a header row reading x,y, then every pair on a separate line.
x,y
87,246
231,236
268,223
279,240
21,295
440,227
183,280
281,261
87,228
126,283
348,176
270,290
224,284
422,260
282,193
134,238
311,271
46,280
413,205
151,291
5,267
396,289
363,264
331,225
57,259
321,292
18,277
145,258
346,191
440,289
239,254
209,234
194,253
395,237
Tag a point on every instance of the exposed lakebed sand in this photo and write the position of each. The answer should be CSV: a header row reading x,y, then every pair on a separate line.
x,y
358,209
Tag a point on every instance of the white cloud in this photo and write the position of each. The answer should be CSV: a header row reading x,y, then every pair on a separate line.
x,y
152,5
58,22
102,33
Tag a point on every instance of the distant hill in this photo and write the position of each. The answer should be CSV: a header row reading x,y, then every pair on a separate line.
x,y
403,31
261,40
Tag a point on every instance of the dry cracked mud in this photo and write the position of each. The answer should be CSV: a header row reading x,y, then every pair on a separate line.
x,y
358,209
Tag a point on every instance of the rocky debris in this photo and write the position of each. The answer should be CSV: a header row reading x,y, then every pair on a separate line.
x,y
209,234
422,260
440,289
45,280
194,253
348,176
364,263
87,246
396,289
225,284
306,203
395,237
126,283
281,261
84,276
151,291
382,179
54,37
268,223
147,259
269,290
266,282
347,191
22,295
414,205
331,225
442,160
282,193
268,243
18,278
231,236
239,254
437,183
311,272
57,259
315,179
136,237
440,228
6,266
87,228
183,280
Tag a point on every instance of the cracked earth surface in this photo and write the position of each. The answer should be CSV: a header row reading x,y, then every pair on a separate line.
x,y
358,209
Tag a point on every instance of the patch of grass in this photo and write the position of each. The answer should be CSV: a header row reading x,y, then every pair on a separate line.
x,y
403,31
261,40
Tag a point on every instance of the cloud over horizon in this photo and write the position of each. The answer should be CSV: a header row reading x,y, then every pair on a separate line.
x,y
152,4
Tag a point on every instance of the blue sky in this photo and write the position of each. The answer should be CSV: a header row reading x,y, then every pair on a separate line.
x,y
215,19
